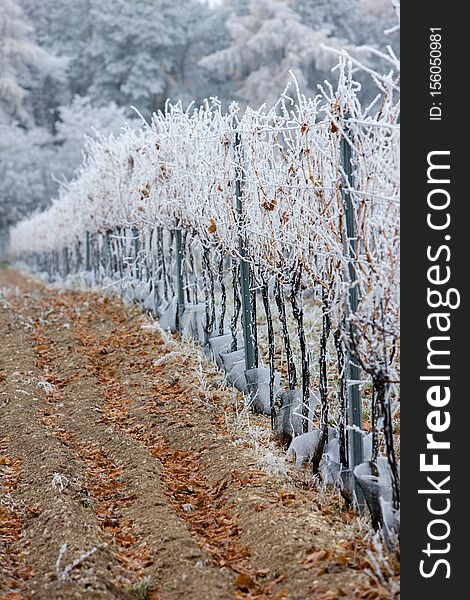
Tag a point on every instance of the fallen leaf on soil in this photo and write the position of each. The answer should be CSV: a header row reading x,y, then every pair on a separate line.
x,y
313,557
244,583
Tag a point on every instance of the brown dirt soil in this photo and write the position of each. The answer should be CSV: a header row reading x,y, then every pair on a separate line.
x,y
126,471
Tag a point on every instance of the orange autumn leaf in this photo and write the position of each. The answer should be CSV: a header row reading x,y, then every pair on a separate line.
x,y
212,226
244,583
270,204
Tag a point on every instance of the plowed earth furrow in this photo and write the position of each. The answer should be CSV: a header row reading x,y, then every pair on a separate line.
x,y
126,451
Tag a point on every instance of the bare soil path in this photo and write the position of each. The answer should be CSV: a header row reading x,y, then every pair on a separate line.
x,y
122,474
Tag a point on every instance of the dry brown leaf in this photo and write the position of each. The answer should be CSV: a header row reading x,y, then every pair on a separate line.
x,y
244,583
212,226
314,557
270,205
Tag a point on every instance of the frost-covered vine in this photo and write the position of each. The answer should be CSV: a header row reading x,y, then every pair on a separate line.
x,y
178,172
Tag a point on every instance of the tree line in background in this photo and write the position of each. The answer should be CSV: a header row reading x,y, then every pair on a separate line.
x,y
69,69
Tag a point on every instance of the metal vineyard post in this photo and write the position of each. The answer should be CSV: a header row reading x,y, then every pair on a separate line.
x,y
354,372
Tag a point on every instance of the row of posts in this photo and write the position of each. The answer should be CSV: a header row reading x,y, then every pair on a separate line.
x,y
350,249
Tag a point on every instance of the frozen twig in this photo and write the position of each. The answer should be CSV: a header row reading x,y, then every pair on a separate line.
x,y
62,574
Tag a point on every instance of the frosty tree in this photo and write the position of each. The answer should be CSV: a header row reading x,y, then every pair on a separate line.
x,y
18,53
20,153
271,37
26,157
79,120
266,44
139,52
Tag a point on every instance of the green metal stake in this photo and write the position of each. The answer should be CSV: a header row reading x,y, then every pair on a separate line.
x,y
107,253
135,235
248,325
87,252
66,262
356,455
179,281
